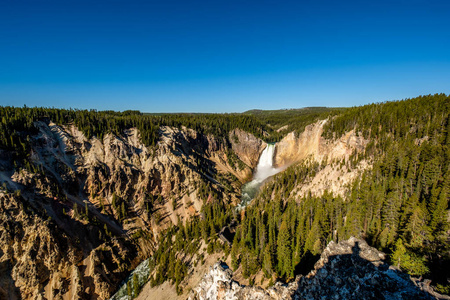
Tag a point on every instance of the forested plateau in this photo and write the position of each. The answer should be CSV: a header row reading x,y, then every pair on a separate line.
x,y
86,196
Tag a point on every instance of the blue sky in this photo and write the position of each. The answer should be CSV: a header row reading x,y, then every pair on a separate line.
x,y
221,56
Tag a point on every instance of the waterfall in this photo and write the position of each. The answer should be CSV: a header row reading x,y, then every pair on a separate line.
x,y
140,274
265,165
264,169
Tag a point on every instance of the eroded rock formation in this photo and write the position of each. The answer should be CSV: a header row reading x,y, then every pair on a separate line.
x,y
310,143
349,269
334,155
246,146
89,211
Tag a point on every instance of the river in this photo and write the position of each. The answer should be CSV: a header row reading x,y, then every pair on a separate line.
x,y
264,170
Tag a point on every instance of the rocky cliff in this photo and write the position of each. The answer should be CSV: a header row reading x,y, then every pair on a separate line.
x,y
346,270
75,221
334,155
310,143
246,146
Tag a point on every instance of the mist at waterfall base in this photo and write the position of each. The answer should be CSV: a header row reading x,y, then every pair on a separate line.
x,y
264,170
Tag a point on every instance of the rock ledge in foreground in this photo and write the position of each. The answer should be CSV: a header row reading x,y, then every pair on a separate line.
x,y
349,269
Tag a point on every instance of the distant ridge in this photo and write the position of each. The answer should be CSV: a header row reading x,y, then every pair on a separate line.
x,y
306,109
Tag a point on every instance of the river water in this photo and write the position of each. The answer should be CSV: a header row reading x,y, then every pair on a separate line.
x,y
264,170
140,275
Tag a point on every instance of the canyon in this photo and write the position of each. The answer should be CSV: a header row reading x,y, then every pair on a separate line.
x,y
346,270
73,205
83,215
90,175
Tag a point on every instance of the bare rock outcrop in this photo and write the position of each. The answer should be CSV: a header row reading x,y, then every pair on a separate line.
x,y
246,146
349,269
352,269
292,149
41,260
333,155
218,284
310,143
85,212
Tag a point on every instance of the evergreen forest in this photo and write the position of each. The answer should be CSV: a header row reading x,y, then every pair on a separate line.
x,y
400,205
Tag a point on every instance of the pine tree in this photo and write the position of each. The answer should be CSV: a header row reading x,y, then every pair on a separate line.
x,y
235,253
439,224
136,287
284,252
268,261
129,289
408,261
417,230
391,217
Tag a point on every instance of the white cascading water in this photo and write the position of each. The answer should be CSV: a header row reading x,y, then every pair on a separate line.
x,y
140,274
264,169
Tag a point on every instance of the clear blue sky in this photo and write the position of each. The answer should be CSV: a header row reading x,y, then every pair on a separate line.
x,y
221,56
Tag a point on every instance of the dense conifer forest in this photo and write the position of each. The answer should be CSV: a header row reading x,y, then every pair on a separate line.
x,y
400,205
17,124
288,120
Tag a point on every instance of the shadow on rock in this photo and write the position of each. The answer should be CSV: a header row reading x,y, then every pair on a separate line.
x,y
349,269
353,270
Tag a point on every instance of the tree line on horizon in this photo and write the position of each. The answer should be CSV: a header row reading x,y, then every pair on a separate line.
x,y
399,206
17,124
